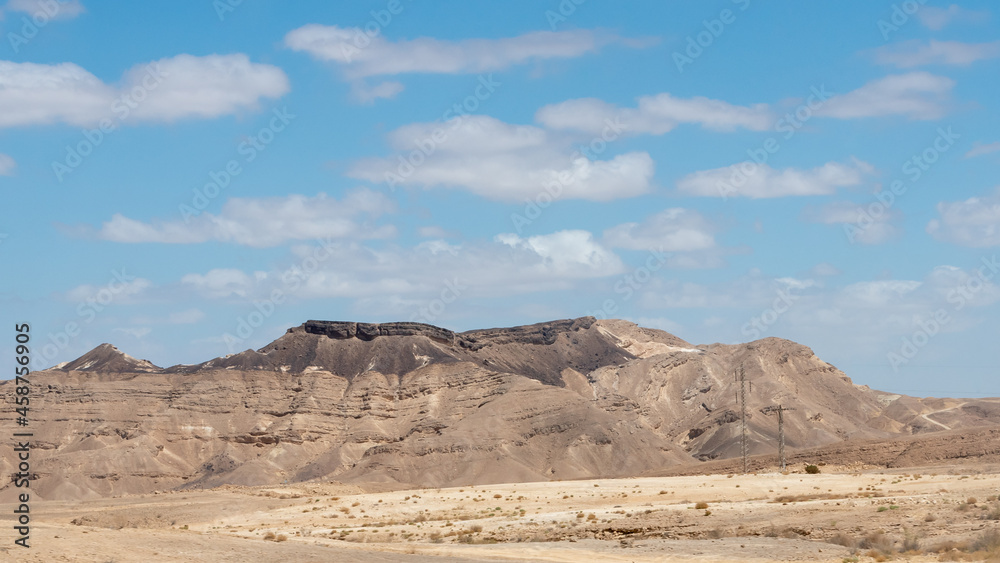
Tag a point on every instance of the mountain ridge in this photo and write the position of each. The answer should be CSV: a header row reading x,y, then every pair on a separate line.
x,y
420,405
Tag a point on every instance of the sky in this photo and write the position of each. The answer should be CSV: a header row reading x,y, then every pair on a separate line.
x,y
189,180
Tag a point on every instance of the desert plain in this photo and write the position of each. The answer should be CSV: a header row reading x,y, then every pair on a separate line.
x,y
843,513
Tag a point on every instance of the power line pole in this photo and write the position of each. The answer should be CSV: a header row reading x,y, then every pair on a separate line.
x,y
741,376
780,409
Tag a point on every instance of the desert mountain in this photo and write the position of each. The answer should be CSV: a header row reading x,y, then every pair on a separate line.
x,y
108,359
416,404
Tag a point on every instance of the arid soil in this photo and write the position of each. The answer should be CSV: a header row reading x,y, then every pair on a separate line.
x,y
936,513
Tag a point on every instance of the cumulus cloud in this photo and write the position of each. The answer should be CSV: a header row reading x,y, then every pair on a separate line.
x,y
935,18
916,95
858,224
224,282
979,149
671,230
914,53
504,162
506,265
7,165
565,252
119,291
369,94
57,10
974,222
264,222
135,332
363,56
654,115
761,181
166,90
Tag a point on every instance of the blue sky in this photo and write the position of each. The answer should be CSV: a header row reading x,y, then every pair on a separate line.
x,y
190,181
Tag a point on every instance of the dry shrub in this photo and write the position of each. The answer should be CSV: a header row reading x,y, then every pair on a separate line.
x,y
844,540
281,537
878,542
993,513
988,541
269,536
701,505
948,546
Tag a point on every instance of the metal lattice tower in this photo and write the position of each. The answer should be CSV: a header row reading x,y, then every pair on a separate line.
x,y
781,436
741,376
780,409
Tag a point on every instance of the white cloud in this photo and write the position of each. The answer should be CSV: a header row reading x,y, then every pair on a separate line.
x,y
412,275
974,222
916,95
565,252
135,332
671,230
937,18
747,291
7,165
504,162
53,9
368,94
762,181
180,87
264,222
206,87
654,115
979,149
119,292
859,225
361,56
913,53
433,231
223,282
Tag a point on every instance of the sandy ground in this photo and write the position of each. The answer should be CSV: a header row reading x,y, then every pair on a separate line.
x,y
762,517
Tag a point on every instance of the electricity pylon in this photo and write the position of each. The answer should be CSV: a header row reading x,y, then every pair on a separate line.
x,y
780,409
741,376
